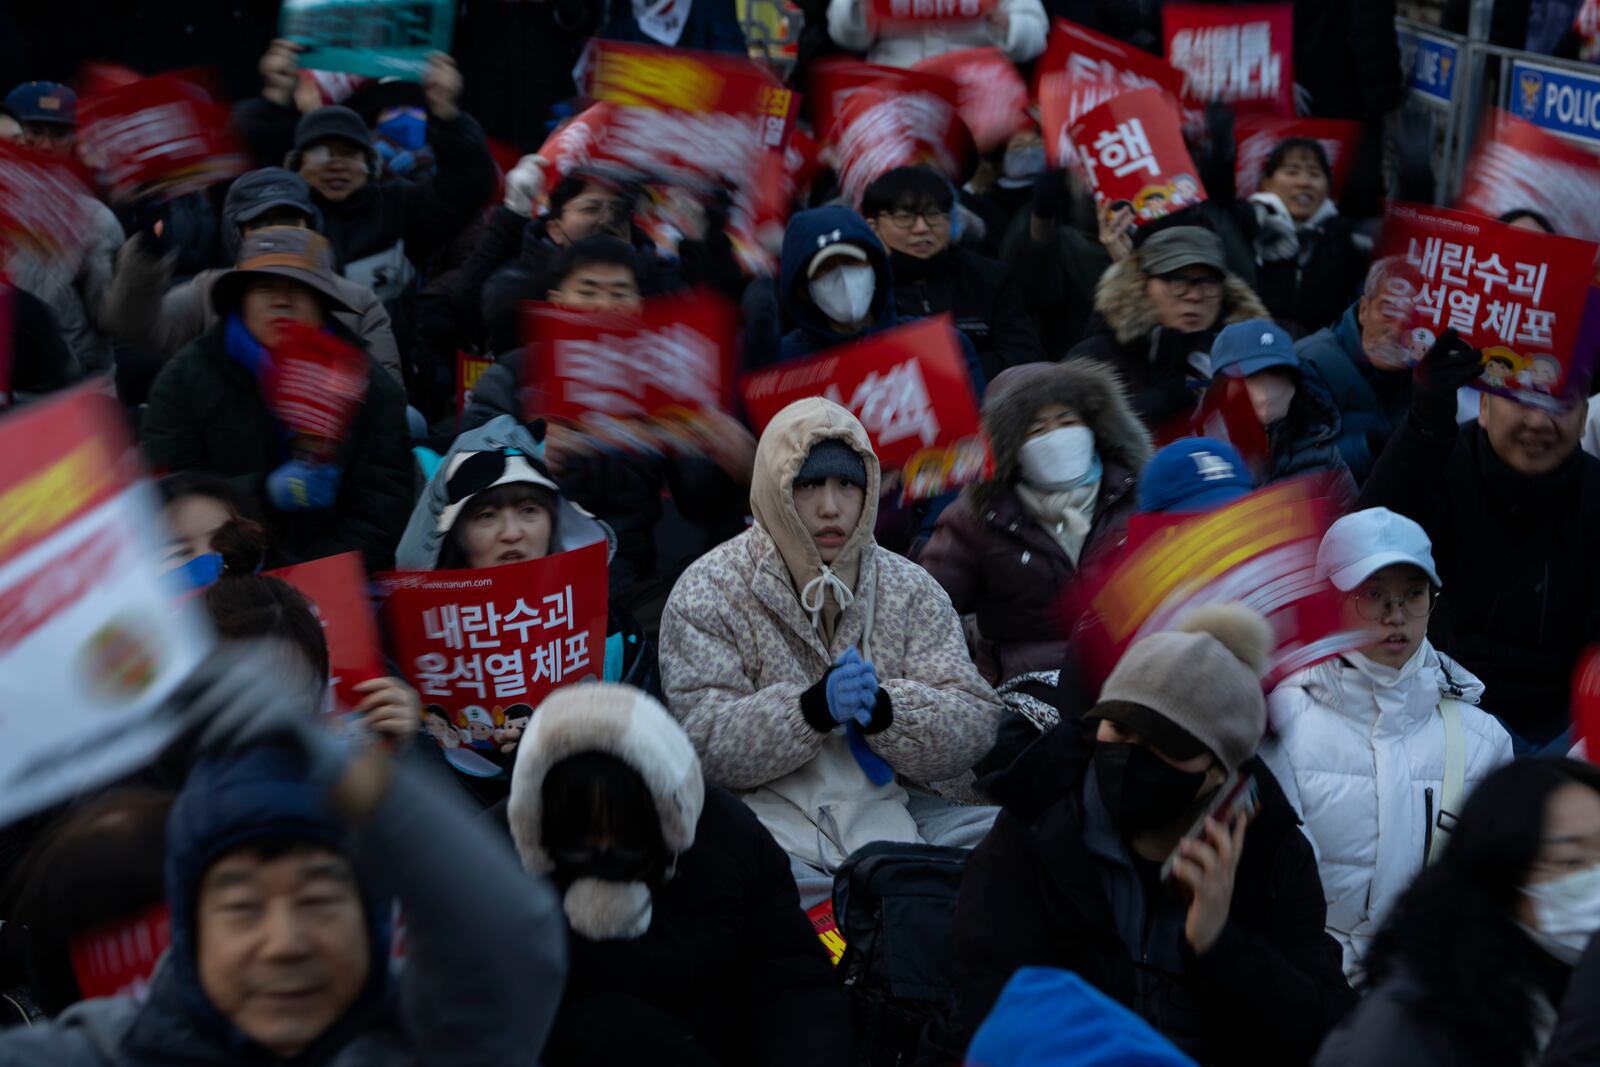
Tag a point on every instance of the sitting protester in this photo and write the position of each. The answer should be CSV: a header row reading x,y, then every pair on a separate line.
x,y
1363,743
1067,455
214,527
281,851
208,411
688,945
819,675
1225,955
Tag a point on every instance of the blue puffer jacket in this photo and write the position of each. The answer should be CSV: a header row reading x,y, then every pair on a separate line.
x,y
1371,402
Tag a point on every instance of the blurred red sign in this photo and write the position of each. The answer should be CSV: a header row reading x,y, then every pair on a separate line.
x,y
469,369
316,383
163,135
990,95
1079,71
118,959
5,342
1515,165
1131,150
909,16
1240,54
42,205
1586,701
337,589
879,118
1257,135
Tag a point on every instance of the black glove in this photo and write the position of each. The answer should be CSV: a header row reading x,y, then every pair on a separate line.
x,y
1450,365
1049,194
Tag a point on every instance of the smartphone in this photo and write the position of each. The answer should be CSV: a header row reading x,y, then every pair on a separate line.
x,y
1238,793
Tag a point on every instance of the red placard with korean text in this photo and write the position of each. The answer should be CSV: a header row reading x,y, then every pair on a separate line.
x,y
1515,165
991,97
908,16
1519,296
315,384
484,647
337,589
164,135
909,387
1257,135
40,207
118,959
1081,70
1240,54
1586,702
879,118
1131,150
628,379
1260,551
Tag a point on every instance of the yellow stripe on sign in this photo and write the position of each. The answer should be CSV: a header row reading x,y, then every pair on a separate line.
x,y
655,81
42,502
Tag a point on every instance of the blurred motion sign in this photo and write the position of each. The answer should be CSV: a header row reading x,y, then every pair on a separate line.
x,y
5,341
375,38
878,118
1131,150
337,589
1240,54
485,646
990,95
40,205
315,384
1517,165
903,16
163,135
909,387
93,636
1257,135
117,959
1081,70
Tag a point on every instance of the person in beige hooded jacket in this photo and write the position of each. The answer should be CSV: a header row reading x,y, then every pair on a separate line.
x,y
754,630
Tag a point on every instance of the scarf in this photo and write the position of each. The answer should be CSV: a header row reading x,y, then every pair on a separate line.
x,y
243,348
1279,238
1068,514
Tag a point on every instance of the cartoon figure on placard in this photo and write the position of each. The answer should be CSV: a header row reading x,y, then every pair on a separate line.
x,y
1500,366
1422,339
438,726
516,718
479,728
1541,374
1185,190
1151,202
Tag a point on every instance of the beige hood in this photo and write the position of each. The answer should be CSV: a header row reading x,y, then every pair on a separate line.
x,y
782,451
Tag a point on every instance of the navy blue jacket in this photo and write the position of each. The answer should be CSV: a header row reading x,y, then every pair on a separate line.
x,y
1371,402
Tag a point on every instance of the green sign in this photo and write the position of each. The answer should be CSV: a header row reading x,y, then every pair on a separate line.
x,y
375,38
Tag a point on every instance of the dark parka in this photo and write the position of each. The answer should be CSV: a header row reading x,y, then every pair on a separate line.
x,y
993,557
1371,401
1520,560
981,297
206,413
1155,363
1034,896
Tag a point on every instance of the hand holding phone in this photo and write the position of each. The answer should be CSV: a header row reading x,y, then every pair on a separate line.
x,y
1207,857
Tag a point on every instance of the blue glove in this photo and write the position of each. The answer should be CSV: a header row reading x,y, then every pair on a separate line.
x,y
302,486
852,688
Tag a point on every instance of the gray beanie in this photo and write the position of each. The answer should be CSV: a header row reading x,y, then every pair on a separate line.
x,y
836,459
1197,688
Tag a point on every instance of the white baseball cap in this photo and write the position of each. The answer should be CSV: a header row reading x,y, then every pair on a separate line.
x,y
1364,542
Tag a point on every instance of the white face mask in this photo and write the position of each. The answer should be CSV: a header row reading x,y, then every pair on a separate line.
x,y
1567,911
1270,394
1058,459
845,294
1023,162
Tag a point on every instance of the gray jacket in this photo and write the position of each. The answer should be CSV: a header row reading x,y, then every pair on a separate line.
x,y
143,311
76,287
486,959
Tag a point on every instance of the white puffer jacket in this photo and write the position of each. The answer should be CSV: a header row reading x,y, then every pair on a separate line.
x,y
1027,27
1359,750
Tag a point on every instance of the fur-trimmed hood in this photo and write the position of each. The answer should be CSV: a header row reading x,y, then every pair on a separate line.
x,y
1120,299
1089,387
631,725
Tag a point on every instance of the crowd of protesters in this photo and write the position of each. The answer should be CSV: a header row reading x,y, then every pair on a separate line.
x,y
803,674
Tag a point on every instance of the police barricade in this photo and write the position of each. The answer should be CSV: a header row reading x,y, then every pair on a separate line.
x,y
1558,95
1437,66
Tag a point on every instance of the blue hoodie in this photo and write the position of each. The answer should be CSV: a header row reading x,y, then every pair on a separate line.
x,y
1051,1018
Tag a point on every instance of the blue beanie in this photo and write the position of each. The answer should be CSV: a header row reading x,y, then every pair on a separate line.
x,y
1051,1018
228,802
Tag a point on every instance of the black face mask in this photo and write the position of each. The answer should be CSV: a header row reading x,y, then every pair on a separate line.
x,y
1140,790
606,864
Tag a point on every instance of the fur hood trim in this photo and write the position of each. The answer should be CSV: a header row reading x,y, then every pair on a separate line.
x,y
1120,299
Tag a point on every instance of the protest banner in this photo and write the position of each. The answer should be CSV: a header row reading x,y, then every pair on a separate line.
x,y
5,341
469,368
910,388
1260,551
632,381
43,208
484,647
1131,150
117,959
911,16
1079,71
1521,297
1240,54
991,97
877,118
163,136
1517,165
1586,702
93,636
1257,135
375,38
337,589
314,385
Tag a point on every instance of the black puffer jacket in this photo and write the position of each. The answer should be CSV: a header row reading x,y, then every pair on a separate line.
x,y
1034,896
981,297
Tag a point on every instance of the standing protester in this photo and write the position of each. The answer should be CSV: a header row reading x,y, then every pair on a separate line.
x,y
820,676
1363,743
1512,507
207,411
1067,455
687,943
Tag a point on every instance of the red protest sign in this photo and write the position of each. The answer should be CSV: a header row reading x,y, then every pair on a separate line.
x,y
909,387
337,589
1257,135
1519,296
1586,701
117,959
5,342
879,118
1260,551
822,921
469,369
628,379
1240,54
1516,165
1131,149
908,16
1079,71
42,205
485,646
315,383
650,76
991,97
163,135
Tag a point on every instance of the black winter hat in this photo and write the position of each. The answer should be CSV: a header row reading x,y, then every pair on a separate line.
x,y
330,122
833,458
